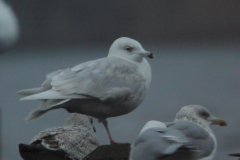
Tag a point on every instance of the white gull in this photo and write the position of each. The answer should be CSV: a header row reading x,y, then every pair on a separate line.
x,y
102,88
189,137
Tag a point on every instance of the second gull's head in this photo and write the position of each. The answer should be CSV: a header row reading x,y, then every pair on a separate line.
x,y
199,115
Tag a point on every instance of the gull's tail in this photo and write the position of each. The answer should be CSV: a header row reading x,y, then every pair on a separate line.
x,y
35,114
32,91
44,87
46,106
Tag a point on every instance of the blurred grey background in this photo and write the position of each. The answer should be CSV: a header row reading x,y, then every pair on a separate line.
x,y
197,50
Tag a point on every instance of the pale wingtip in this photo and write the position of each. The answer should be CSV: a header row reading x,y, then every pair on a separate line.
x,y
20,92
27,120
27,98
35,114
23,99
30,117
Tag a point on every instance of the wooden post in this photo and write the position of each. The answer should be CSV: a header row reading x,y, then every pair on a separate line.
x,y
104,152
110,152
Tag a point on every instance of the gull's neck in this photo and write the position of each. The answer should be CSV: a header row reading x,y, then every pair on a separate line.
x,y
143,66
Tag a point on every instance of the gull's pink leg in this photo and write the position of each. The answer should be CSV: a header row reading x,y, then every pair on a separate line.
x,y
105,123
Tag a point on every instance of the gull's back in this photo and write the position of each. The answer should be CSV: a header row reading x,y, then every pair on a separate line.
x,y
162,143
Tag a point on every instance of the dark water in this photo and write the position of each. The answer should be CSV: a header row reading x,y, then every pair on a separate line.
x,y
205,74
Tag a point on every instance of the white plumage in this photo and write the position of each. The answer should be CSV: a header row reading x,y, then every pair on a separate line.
x,y
189,137
103,88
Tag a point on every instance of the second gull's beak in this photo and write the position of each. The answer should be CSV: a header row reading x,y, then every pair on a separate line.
x,y
219,121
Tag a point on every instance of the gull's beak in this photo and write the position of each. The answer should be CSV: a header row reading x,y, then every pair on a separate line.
x,y
219,121
148,54
151,56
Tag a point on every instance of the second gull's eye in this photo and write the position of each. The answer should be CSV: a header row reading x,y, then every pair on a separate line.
x,y
205,114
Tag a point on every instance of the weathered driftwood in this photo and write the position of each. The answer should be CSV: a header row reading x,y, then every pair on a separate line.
x,y
110,152
104,152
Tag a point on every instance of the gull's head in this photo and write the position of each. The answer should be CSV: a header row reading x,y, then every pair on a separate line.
x,y
200,115
76,119
130,49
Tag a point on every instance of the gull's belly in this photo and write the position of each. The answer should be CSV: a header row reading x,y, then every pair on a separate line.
x,y
99,109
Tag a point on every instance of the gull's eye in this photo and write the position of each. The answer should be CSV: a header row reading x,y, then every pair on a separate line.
x,y
129,49
205,114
